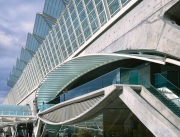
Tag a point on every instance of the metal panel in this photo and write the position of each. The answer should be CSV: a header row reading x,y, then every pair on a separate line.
x,y
54,8
10,83
20,65
25,55
13,78
16,72
69,71
32,44
41,28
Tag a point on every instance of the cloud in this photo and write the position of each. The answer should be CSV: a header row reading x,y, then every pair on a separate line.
x,y
16,20
27,26
5,40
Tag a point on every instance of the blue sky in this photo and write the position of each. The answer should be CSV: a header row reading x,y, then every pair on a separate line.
x,y
16,20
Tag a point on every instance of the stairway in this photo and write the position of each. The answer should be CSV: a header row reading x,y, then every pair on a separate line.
x,y
136,79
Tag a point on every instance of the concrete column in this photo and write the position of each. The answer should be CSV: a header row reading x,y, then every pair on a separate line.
x,y
13,132
37,129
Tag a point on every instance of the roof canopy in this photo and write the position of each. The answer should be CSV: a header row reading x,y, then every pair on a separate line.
x,y
72,69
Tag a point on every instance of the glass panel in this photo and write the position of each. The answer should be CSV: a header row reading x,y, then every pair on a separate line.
x,y
73,15
102,18
111,78
75,46
62,97
136,79
103,81
92,16
94,25
124,2
82,16
167,88
114,7
76,23
89,7
15,110
110,122
80,39
121,122
45,106
72,37
100,8
87,33
80,7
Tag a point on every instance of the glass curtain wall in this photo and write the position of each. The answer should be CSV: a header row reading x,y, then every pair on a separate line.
x,y
80,20
111,122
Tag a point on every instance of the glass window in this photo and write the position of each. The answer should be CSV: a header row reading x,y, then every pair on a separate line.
x,y
114,6
70,30
86,1
71,9
102,18
72,37
84,24
68,23
124,2
80,7
78,31
76,23
74,45
80,39
100,7
94,25
73,15
92,16
89,7
77,1
87,33
82,16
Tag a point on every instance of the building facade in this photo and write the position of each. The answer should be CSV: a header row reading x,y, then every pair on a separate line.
x,y
97,68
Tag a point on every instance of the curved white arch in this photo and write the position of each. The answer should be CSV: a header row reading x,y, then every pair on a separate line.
x,y
79,108
72,69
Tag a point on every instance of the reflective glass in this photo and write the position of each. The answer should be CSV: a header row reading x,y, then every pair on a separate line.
x,y
31,43
94,25
100,7
80,39
102,18
15,110
89,7
87,33
76,23
124,2
80,7
114,6
74,45
77,1
72,37
92,16
73,15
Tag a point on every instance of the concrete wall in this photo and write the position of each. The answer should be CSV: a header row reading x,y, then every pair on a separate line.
x,y
144,27
30,100
144,71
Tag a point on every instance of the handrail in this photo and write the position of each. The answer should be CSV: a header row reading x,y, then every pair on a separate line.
x,y
167,80
161,81
136,79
